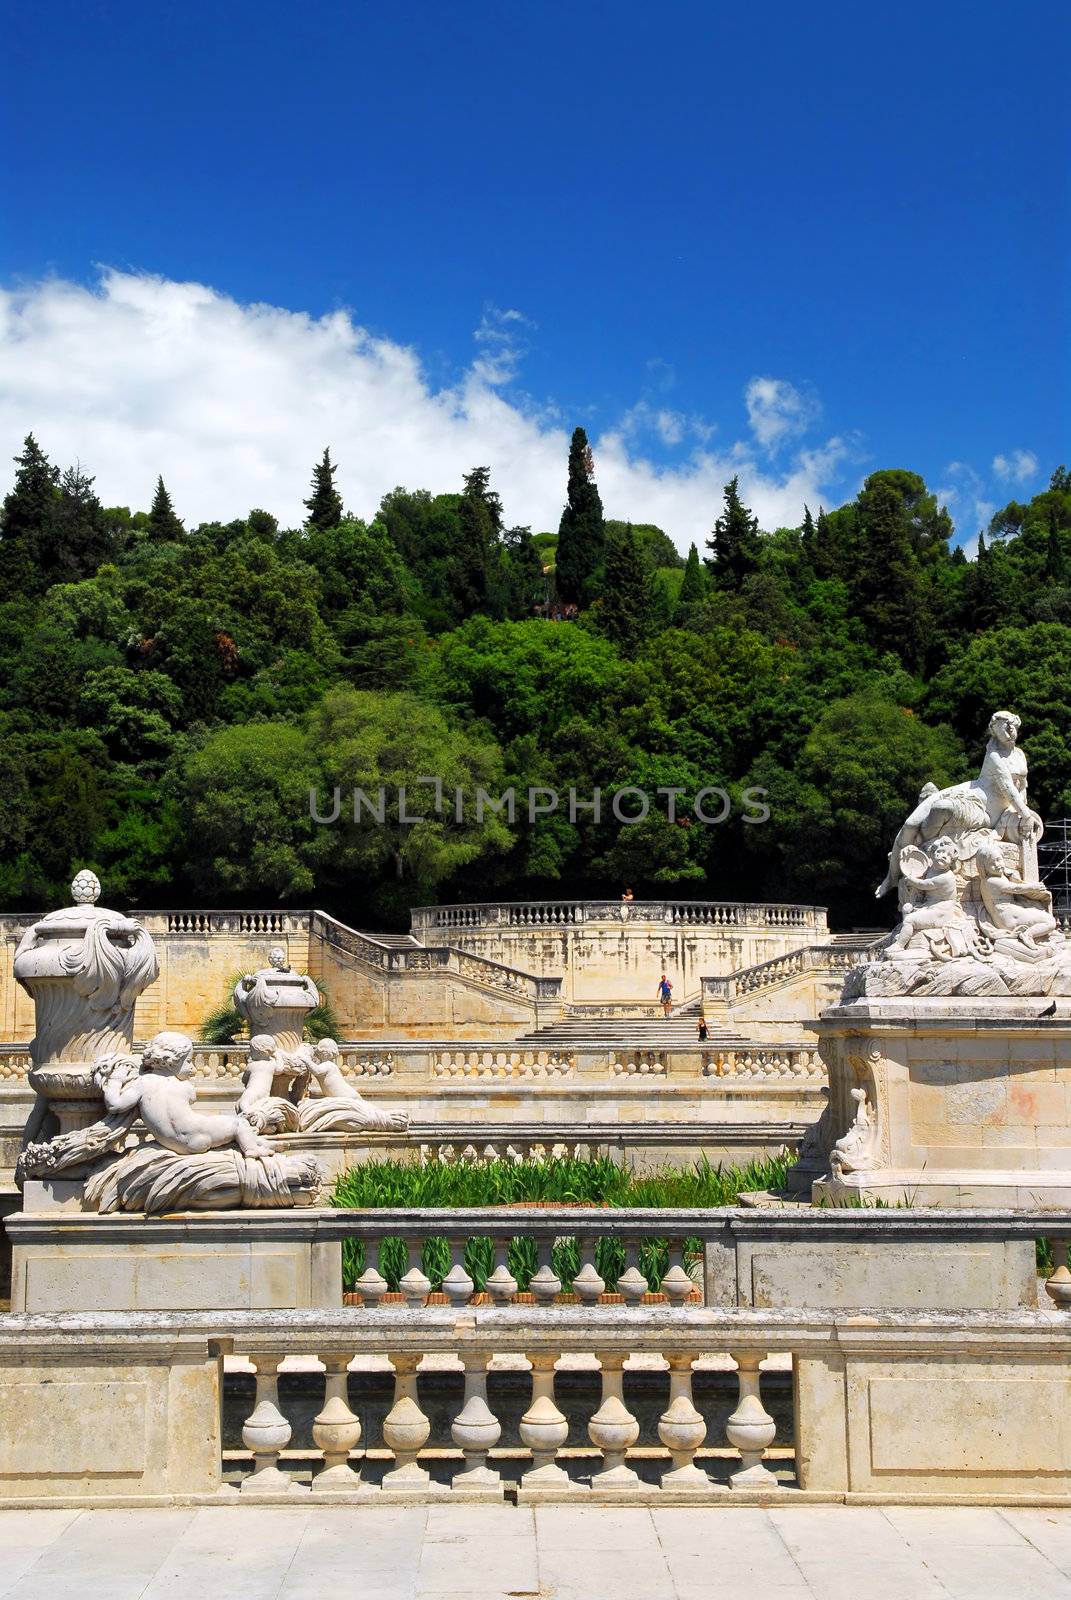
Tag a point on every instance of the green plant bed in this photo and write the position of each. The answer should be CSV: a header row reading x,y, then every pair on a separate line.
x,y
404,1184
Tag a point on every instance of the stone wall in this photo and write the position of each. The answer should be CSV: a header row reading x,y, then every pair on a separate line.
x,y
609,952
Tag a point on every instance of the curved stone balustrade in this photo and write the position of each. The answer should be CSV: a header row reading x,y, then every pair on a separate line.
x,y
570,913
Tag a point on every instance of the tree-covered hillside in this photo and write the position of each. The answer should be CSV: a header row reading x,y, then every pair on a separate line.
x,y
171,695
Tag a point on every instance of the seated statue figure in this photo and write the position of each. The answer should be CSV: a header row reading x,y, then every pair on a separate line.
x,y
994,801
189,1161
305,1091
933,897
1021,910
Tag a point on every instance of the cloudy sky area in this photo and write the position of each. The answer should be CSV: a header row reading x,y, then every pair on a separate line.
x,y
232,403
795,246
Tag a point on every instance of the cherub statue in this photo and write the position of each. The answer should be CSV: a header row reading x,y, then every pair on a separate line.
x,y
1023,910
158,1088
305,1091
933,896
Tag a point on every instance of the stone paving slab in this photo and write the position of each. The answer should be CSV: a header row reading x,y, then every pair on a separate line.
x,y
505,1552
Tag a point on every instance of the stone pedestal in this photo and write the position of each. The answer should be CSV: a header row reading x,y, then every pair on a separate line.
x,y
66,1260
947,1102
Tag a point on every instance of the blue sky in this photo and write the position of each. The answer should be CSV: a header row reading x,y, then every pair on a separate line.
x,y
801,241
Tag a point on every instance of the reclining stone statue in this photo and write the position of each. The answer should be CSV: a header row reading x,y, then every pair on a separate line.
x,y
189,1161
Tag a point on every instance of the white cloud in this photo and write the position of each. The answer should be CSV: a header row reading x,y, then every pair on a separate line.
x,y
233,403
965,495
778,411
1018,466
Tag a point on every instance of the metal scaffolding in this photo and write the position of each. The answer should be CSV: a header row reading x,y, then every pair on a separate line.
x,y
1054,865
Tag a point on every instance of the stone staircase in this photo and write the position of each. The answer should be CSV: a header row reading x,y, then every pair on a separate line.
x,y
676,1032
393,941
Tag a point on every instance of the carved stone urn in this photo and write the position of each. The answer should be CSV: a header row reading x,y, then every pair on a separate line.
x,y
84,967
276,1000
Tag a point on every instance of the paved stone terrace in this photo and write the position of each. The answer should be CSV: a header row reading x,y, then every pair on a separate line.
x,y
551,1553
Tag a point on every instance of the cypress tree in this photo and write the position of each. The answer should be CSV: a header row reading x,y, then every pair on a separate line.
x,y
734,544
324,504
1055,559
26,518
476,574
164,525
888,592
581,534
78,535
627,599
693,585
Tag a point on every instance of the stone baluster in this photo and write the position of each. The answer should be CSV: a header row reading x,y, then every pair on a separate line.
x,y
544,1429
676,1285
415,1285
476,1430
502,1285
682,1430
371,1285
336,1430
266,1432
405,1428
1058,1285
587,1285
632,1285
750,1429
545,1284
613,1428
458,1284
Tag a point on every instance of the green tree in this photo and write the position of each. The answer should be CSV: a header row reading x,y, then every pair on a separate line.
x,y
324,504
26,517
625,607
887,591
693,585
392,742
527,581
78,537
734,545
581,537
835,811
243,795
163,522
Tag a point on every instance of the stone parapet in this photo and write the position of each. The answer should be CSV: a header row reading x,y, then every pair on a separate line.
x,y
120,1408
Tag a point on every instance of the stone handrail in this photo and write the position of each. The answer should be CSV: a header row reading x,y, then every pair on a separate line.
x,y
566,913
766,974
451,1061
434,958
856,1379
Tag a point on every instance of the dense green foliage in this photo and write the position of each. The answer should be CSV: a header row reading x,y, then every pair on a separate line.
x,y
170,696
379,1185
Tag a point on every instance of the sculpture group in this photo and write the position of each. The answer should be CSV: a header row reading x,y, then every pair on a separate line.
x,y
975,919
126,1126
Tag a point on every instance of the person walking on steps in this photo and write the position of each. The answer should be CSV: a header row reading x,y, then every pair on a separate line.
x,y
665,994
702,1030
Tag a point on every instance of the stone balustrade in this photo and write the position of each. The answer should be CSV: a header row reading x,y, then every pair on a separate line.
x,y
761,1061
767,974
886,1404
412,1059
427,920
